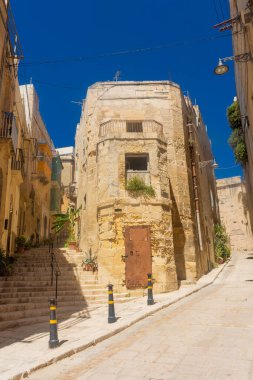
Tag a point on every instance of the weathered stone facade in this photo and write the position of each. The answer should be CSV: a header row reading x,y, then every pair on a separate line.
x,y
67,177
234,213
242,37
149,130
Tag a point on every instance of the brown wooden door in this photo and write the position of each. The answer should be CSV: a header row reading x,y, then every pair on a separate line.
x,y
138,256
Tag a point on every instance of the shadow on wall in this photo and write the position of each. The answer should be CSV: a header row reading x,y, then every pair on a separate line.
x,y
24,296
178,239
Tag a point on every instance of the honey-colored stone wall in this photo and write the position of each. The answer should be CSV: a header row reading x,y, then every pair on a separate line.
x,y
234,213
102,143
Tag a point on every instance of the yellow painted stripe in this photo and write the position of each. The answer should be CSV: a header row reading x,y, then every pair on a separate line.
x,y
149,287
110,302
110,292
52,307
53,321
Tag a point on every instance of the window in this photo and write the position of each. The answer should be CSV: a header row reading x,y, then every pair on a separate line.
x,y
137,166
134,126
137,162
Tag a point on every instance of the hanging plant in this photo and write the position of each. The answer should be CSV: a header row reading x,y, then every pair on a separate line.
x,y
236,139
234,115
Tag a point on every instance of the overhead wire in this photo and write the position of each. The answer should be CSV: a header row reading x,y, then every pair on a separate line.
x,y
51,84
221,9
123,52
228,167
216,10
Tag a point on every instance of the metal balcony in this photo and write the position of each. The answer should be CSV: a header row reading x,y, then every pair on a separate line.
x,y
132,128
17,162
8,129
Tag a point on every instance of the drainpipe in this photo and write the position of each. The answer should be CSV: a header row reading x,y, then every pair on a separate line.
x,y
195,186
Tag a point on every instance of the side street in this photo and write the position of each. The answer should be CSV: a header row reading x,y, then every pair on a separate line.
x,y
126,190
28,352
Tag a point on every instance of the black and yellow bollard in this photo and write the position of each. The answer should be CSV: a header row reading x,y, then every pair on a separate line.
x,y
53,339
150,300
111,311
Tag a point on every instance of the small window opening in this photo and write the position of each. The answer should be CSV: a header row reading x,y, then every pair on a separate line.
x,y
137,163
134,126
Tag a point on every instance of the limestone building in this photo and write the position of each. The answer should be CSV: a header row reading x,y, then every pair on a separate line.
x,y
148,131
234,213
12,130
35,209
67,157
242,27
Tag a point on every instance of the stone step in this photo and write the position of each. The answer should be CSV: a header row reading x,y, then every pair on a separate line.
x,y
16,298
44,288
26,310
46,276
33,313
44,319
36,283
48,293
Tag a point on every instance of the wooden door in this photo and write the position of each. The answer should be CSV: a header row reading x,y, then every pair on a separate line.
x,y
138,256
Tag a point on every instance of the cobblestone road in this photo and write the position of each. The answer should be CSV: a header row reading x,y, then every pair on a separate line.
x,y
206,336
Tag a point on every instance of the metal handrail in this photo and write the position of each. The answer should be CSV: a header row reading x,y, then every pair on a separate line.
x,y
55,270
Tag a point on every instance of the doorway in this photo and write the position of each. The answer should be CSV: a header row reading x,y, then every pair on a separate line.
x,y
138,256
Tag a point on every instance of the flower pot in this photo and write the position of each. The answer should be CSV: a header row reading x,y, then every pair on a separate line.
x,y
72,245
88,267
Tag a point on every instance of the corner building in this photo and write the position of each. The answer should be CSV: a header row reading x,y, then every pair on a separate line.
x,y
149,130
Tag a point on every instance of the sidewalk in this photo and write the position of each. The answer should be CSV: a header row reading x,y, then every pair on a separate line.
x,y
19,356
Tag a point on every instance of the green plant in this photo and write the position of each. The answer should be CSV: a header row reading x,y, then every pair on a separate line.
x,y
137,187
236,140
234,115
20,241
28,244
5,264
221,243
67,220
90,261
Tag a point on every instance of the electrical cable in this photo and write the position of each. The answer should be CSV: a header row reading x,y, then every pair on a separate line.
x,y
123,52
227,7
221,9
51,84
229,167
216,10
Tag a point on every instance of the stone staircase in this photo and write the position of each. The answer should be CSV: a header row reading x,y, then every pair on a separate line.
x,y
24,295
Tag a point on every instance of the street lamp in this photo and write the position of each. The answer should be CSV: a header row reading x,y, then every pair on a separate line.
x,y
221,69
213,163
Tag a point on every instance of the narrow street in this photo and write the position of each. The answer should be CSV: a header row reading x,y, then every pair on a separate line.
x,y
208,335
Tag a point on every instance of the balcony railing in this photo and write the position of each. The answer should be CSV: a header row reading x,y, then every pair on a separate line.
x,y
8,128
17,162
134,128
144,175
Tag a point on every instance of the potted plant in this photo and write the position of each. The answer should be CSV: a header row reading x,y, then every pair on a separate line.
x,y
5,264
20,243
67,220
90,262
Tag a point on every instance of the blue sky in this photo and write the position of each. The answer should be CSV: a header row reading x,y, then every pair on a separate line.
x,y
52,30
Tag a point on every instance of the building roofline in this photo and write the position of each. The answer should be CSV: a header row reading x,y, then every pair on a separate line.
x,y
136,83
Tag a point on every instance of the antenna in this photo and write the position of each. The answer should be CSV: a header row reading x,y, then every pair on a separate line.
x,y
117,76
79,103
